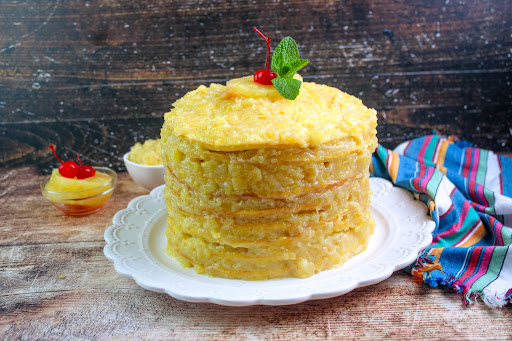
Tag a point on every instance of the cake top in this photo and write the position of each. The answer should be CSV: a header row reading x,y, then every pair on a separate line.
x,y
247,115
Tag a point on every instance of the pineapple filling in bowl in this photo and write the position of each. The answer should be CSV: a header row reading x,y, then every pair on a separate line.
x,y
79,196
148,153
144,164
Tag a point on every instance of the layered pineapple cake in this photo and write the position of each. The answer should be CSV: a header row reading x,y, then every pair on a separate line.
x,y
261,187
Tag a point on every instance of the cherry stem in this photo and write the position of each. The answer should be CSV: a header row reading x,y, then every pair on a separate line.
x,y
54,153
79,161
267,40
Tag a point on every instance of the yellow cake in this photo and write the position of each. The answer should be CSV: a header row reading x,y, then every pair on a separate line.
x,y
261,187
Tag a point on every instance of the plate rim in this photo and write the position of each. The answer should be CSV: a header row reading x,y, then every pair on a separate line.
x,y
381,189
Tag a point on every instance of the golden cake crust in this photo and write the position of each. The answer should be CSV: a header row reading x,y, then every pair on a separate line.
x,y
213,118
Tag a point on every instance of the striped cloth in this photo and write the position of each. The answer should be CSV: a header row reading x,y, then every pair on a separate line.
x,y
469,195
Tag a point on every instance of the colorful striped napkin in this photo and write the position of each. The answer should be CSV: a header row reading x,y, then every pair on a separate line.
x,y
469,195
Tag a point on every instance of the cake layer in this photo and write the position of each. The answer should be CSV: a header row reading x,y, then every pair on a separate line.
x,y
320,115
282,154
258,235
338,195
265,180
260,227
259,263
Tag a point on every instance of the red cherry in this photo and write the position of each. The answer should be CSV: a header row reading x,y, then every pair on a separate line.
x,y
264,76
68,169
84,171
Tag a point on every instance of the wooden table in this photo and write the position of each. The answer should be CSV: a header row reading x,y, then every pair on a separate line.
x,y
57,284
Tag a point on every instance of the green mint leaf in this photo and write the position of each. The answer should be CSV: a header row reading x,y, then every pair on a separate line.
x,y
287,51
289,88
285,63
291,68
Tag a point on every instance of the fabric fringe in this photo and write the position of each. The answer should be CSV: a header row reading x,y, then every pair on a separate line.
x,y
498,300
426,263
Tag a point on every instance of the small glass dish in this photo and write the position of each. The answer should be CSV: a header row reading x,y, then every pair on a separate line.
x,y
85,201
146,176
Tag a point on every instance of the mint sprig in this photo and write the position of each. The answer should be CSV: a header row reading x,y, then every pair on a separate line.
x,y
285,63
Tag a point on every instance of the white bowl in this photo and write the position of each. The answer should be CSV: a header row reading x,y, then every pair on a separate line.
x,y
145,176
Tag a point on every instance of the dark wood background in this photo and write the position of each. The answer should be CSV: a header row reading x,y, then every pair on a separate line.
x,y
96,76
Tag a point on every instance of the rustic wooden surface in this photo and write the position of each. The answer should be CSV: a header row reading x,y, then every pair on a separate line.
x,y
95,76
93,302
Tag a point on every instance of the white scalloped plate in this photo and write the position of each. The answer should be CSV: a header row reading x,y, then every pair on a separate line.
x,y
136,244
